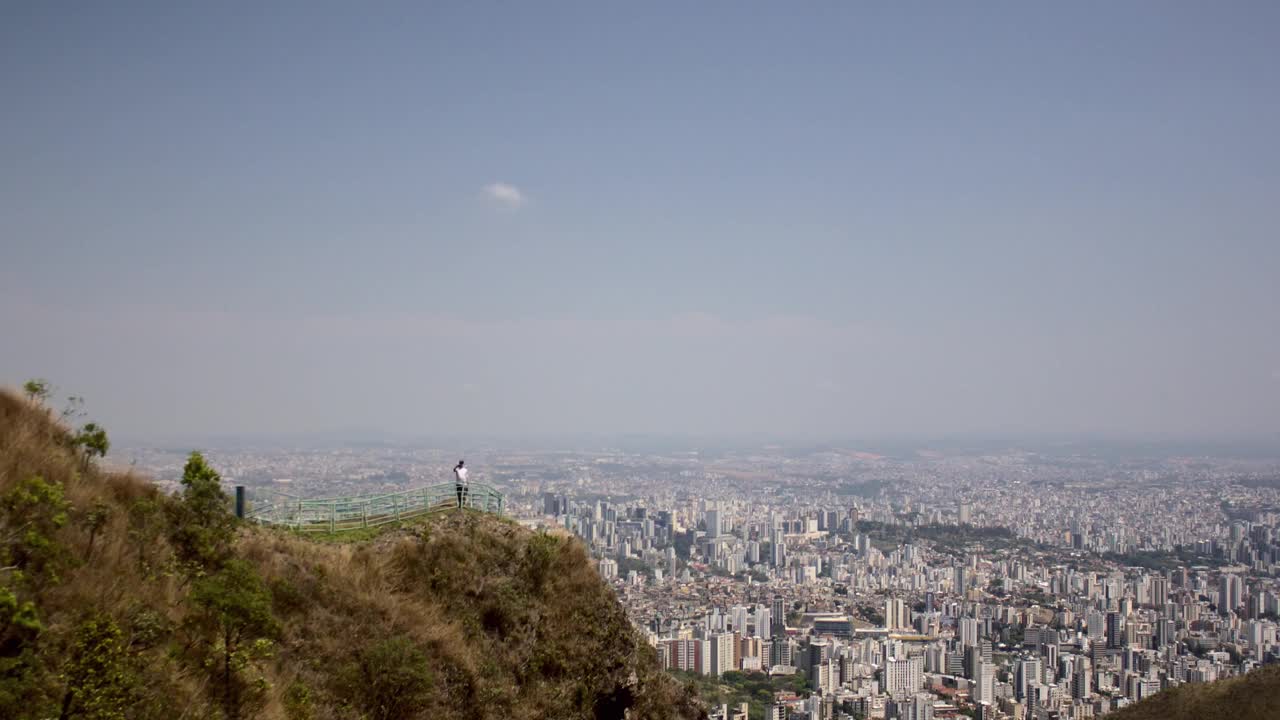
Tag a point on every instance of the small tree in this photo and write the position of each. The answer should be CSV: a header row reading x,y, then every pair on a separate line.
x,y
37,389
203,524
91,440
146,522
94,520
236,606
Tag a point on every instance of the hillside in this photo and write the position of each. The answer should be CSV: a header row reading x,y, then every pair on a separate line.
x,y
119,601
1254,696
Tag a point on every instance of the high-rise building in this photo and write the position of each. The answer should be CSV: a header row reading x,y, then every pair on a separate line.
x,y
1165,633
919,708
903,676
1159,591
972,659
779,617
1182,577
749,647
1256,634
782,651
1115,636
684,655
722,654
896,614
1028,672
984,675
1081,680
968,631
764,623
1230,593
1095,625
713,523
824,676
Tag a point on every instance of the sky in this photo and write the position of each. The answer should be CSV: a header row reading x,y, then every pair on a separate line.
x,y
787,219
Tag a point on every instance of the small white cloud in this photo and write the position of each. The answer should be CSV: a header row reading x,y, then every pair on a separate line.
x,y
506,195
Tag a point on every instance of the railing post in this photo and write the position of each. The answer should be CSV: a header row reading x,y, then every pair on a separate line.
x,y
240,501
333,517
364,513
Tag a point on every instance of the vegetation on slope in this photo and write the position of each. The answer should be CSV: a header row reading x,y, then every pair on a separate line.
x,y
1253,696
117,600
754,688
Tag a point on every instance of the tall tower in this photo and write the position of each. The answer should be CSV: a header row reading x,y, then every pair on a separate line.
x,y
1230,593
895,614
983,682
1114,636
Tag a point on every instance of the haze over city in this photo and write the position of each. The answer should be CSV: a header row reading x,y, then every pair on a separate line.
x,y
640,361
832,221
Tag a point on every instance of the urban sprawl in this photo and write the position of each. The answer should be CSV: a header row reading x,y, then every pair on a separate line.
x,y
828,584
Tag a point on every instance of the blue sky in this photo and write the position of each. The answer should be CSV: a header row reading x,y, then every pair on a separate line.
x,y
715,218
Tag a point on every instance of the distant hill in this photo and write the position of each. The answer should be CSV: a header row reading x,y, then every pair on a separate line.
x,y
1254,696
118,601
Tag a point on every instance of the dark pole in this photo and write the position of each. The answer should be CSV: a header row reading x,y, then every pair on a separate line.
x,y
240,501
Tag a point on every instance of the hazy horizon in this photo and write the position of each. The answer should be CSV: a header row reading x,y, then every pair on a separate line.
x,y
721,220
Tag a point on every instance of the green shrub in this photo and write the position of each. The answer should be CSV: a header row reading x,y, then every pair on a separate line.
x,y
299,703
31,513
97,676
387,680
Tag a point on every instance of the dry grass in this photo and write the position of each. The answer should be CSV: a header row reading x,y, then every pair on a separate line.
x,y
506,623
1254,696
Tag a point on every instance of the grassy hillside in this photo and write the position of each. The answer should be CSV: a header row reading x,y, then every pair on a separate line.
x,y
119,601
1254,696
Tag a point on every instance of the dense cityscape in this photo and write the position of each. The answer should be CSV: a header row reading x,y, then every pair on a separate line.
x,y
1053,583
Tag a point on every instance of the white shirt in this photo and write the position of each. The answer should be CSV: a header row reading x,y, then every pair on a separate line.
x,y
461,472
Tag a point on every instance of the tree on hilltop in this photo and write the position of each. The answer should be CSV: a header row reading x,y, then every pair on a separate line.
x,y
203,524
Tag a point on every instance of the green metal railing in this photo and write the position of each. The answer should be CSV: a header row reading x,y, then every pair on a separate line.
x,y
349,513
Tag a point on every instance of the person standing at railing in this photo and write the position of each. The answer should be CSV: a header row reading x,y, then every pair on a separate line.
x,y
460,482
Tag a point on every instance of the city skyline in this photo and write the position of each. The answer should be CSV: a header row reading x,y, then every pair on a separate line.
x,y
837,585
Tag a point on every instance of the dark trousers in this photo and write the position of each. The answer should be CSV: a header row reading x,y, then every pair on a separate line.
x,y
460,493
